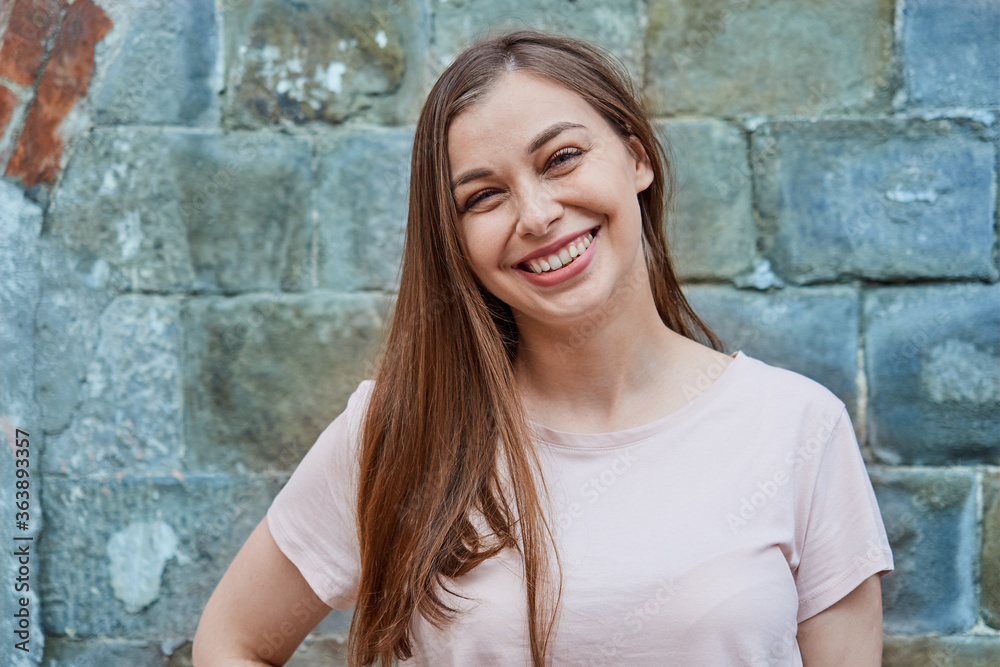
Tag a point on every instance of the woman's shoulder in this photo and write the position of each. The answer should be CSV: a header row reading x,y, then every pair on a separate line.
x,y
357,403
785,387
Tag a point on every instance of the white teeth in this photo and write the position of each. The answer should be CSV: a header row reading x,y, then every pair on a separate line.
x,y
565,256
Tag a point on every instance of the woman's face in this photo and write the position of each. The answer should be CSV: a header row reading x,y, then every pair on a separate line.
x,y
546,196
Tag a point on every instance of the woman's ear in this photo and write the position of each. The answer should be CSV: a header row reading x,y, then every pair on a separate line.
x,y
643,166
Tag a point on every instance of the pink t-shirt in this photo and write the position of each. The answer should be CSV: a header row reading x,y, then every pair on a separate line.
x,y
702,538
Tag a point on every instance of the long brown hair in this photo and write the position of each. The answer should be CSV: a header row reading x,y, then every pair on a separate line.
x,y
445,445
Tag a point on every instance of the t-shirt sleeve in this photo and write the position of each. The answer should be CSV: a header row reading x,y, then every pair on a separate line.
x,y
312,519
840,535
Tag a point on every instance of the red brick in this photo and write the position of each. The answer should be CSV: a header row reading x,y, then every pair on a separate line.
x,y
8,102
32,24
64,81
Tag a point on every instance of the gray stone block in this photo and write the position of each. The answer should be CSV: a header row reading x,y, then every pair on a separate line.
x,y
313,652
810,331
124,413
207,518
169,210
990,552
930,519
968,651
320,653
883,199
264,376
67,330
362,186
65,652
616,26
792,57
158,65
245,203
711,234
951,53
932,357
20,224
323,60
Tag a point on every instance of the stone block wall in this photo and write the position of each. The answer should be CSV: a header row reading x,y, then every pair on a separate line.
x,y
201,216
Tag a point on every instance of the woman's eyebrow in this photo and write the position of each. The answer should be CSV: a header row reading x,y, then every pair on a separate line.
x,y
470,176
547,135
544,137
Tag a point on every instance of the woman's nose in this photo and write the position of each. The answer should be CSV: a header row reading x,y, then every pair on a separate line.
x,y
537,209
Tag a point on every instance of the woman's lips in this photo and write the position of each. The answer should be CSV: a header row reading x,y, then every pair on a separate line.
x,y
559,257
555,246
574,268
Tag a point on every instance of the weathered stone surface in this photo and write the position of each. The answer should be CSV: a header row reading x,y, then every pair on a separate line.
x,y
951,53
66,336
930,518
60,651
210,518
126,414
37,158
30,29
990,554
711,234
245,204
173,210
9,101
320,653
809,331
313,652
158,65
617,26
137,554
264,376
294,62
932,361
12,110
882,199
968,651
65,652
20,223
799,57
363,179
181,657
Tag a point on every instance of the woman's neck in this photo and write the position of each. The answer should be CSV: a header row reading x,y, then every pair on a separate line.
x,y
607,371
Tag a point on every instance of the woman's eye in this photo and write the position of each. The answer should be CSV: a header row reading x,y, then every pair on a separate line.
x,y
563,156
477,198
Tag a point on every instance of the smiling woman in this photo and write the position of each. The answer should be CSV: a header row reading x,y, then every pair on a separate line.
x,y
558,176
556,462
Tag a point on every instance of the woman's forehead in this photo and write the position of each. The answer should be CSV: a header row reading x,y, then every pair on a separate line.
x,y
515,109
